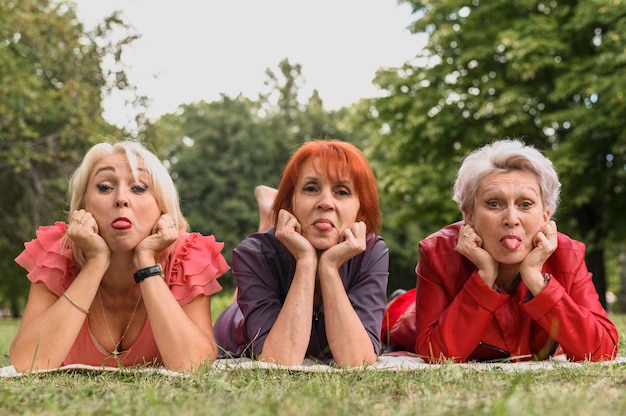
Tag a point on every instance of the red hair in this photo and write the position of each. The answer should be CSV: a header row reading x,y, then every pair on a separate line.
x,y
337,160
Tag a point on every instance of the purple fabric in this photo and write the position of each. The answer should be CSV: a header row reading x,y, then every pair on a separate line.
x,y
264,269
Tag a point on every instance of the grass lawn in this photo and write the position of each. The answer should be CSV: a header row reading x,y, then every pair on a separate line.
x,y
450,390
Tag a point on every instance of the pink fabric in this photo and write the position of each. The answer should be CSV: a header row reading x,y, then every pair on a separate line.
x,y
46,261
191,270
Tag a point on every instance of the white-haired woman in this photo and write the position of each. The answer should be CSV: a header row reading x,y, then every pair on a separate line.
x,y
502,283
123,282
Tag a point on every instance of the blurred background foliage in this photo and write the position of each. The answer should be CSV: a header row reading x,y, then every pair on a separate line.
x,y
549,72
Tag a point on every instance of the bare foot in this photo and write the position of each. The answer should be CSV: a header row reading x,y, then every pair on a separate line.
x,y
265,198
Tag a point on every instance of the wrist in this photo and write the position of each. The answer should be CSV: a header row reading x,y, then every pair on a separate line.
x,y
101,262
328,264
144,260
488,277
307,258
154,270
535,280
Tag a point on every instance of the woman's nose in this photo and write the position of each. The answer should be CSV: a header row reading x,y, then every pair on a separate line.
x,y
121,199
511,218
325,200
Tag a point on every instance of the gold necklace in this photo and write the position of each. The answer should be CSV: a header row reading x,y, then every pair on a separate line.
x,y
116,352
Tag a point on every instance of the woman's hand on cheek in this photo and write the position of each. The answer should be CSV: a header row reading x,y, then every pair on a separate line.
x,y
352,242
289,232
470,244
545,243
164,233
84,233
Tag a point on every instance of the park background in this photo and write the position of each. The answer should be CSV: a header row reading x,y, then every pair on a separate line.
x,y
552,73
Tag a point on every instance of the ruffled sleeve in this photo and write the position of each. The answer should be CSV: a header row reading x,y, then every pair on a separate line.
x,y
194,267
46,260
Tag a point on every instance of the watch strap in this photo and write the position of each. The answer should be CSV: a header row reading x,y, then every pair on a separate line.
x,y
141,274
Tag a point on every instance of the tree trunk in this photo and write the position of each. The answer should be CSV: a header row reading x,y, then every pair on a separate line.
x,y
595,264
622,266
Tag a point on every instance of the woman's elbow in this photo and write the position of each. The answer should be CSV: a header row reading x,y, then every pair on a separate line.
x,y
186,364
358,361
25,362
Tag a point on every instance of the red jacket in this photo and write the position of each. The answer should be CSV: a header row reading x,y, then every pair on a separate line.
x,y
461,317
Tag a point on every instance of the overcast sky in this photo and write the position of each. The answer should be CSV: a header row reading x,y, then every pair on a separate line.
x,y
193,50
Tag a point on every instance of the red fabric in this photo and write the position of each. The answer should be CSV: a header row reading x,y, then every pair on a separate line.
x,y
458,313
191,270
398,331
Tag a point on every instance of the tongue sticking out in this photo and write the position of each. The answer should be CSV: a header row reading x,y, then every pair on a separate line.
x,y
121,225
510,243
323,226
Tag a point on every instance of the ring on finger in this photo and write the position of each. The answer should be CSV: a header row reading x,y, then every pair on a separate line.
x,y
466,235
79,220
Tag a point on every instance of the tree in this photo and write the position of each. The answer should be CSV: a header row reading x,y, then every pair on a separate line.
x,y
296,118
220,151
51,81
551,73
223,155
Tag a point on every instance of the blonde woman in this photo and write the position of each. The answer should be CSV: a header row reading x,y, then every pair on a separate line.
x,y
122,282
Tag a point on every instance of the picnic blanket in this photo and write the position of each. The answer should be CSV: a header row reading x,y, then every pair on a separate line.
x,y
384,363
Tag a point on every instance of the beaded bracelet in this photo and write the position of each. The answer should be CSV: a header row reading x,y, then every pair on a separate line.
x,y
76,305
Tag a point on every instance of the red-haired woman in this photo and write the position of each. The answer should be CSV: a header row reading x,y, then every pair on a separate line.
x,y
315,284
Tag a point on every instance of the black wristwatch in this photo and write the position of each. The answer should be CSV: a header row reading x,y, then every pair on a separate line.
x,y
141,274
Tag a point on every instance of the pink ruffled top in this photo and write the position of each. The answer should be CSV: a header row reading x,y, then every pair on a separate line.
x,y
191,270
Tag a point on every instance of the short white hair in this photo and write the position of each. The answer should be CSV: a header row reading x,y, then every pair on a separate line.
x,y
504,156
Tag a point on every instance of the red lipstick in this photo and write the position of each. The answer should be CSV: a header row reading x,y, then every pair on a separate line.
x,y
121,223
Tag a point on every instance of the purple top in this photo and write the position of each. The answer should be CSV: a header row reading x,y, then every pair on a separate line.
x,y
264,270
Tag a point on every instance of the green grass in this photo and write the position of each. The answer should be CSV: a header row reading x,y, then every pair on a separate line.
x,y
450,390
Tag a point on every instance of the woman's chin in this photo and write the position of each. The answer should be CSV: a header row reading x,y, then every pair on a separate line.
x,y
322,244
511,259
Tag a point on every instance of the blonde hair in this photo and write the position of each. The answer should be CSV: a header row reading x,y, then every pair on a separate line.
x,y
505,156
161,182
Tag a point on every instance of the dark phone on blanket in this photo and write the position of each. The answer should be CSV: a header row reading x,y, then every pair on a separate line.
x,y
488,352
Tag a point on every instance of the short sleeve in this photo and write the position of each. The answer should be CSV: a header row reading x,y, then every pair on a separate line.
x,y
47,260
194,267
368,275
